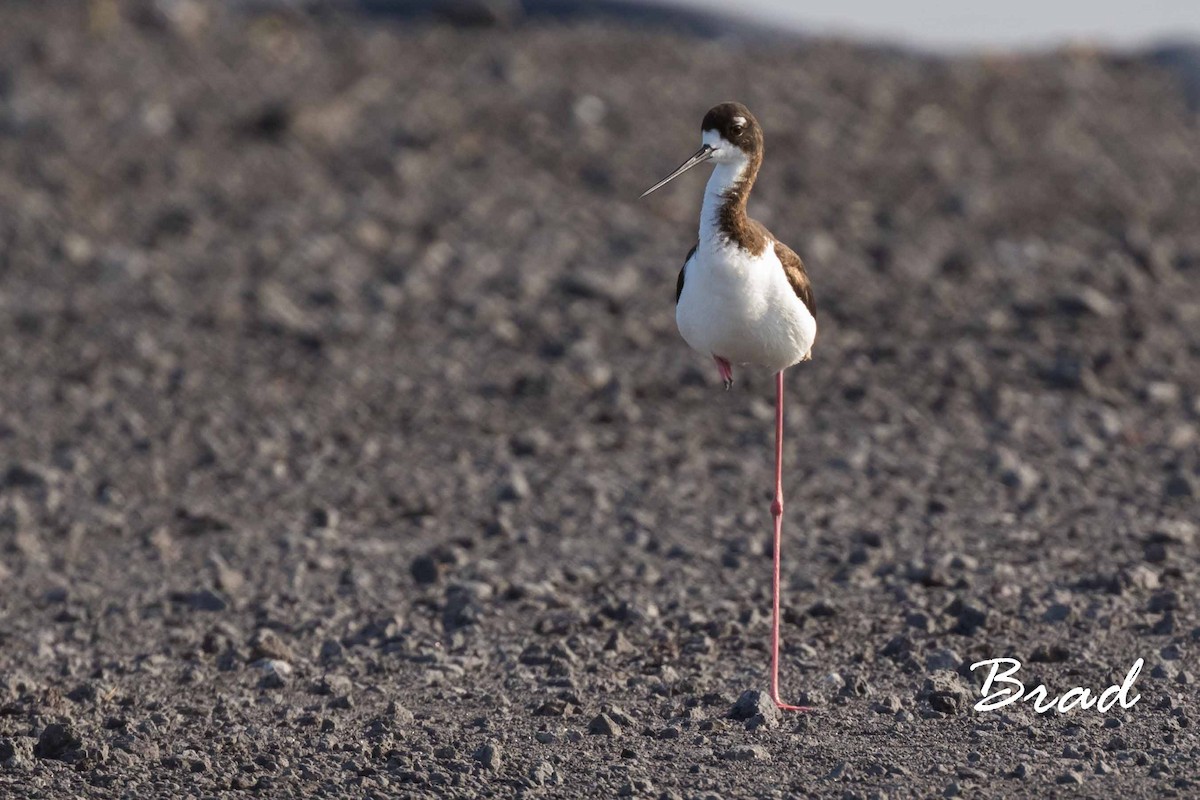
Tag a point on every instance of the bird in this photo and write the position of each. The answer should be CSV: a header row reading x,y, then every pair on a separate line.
x,y
743,296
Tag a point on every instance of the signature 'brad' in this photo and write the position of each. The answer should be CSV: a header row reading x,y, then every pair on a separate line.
x,y
1014,690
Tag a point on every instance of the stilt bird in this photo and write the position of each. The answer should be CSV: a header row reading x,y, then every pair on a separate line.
x,y
743,296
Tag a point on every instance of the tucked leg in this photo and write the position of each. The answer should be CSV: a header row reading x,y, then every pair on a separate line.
x,y
726,370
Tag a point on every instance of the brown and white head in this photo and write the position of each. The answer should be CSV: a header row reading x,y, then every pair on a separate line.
x,y
729,135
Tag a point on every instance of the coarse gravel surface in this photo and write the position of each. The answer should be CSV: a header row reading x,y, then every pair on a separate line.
x,y
348,447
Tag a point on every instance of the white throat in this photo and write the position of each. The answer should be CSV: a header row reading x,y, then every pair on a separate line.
x,y
729,164
725,176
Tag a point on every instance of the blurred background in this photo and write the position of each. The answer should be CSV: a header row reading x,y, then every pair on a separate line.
x,y
345,432
945,25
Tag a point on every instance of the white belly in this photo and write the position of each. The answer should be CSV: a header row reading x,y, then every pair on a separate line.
x,y
743,309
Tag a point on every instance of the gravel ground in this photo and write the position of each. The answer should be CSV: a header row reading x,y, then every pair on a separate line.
x,y
347,445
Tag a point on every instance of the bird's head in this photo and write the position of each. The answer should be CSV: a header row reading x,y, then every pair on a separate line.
x,y
729,135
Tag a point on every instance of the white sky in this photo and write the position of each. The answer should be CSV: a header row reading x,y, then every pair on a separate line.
x,y
955,24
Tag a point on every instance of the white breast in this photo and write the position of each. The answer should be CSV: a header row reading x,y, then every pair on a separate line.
x,y
743,309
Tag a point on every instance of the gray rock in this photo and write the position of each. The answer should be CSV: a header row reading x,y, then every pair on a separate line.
x,y
945,693
15,754
889,704
333,685
267,644
1174,532
542,773
400,714
1085,301
750,752
488,755
604,725
514,489
945,659
636,787
618,715
275,673
755,707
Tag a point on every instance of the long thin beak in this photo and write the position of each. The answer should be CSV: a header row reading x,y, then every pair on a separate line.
x,y
702,155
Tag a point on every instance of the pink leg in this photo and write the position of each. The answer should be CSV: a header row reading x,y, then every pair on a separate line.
x,y
777,513
726,370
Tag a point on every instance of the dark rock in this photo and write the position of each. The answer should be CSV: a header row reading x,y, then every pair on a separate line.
x,y
553,708
1050,654
857,686
20,476
1179,485
1182,58
822,608
1163,601
332,652
1070,372
83,693
970,619
425,570
191,522
202,600
60,742
1058,612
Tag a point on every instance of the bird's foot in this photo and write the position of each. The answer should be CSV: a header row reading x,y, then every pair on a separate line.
x,y
782,706
726,370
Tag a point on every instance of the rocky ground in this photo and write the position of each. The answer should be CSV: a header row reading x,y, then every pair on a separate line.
x,y
347,445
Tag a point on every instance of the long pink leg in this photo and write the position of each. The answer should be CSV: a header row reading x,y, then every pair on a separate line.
x,y
726,370
777,513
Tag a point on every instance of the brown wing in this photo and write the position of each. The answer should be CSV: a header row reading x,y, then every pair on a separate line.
x,y
682,270
793,267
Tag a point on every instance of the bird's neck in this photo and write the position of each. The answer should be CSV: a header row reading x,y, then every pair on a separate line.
x,y
723,214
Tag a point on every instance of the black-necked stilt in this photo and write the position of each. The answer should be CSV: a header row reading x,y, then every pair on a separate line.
x,y
743,296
